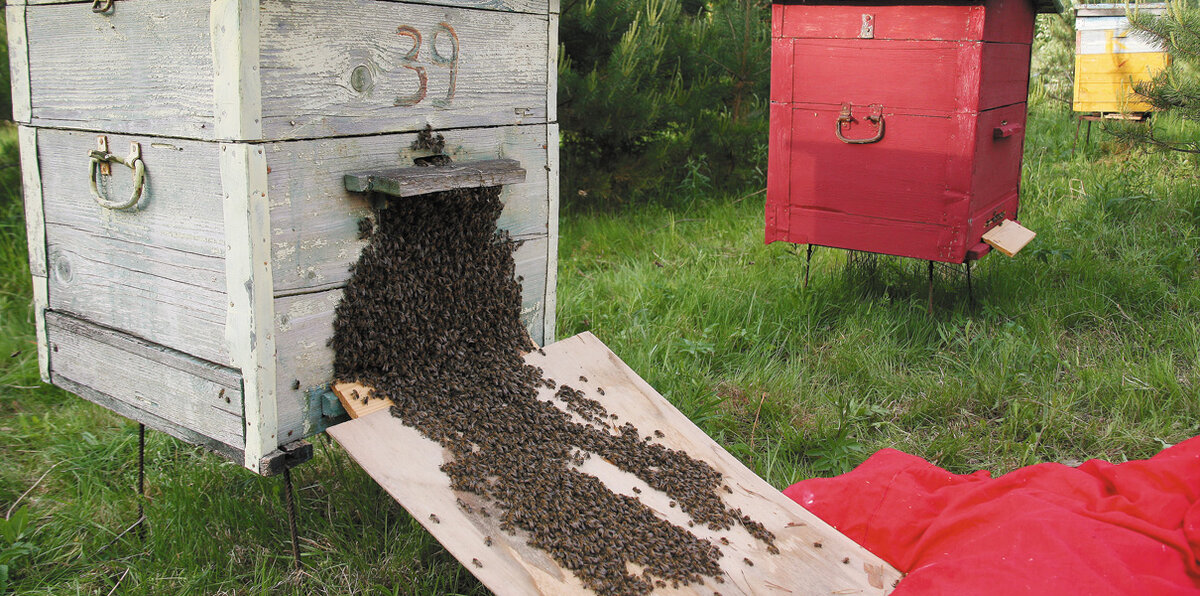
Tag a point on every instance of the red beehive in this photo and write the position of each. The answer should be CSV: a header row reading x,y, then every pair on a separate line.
x,y
897,127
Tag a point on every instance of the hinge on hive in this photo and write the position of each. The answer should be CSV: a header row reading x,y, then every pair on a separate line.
x,y
868,27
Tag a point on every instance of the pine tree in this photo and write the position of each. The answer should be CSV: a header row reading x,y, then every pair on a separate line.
x,y
655,91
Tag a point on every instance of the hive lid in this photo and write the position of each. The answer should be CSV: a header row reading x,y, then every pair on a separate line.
x,y
1117,10
1041,6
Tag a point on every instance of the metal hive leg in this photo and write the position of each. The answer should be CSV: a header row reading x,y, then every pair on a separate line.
x,y
141,482
931,287
970,290
291,508
807,264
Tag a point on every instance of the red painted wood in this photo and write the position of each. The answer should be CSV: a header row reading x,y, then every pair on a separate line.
x,y
1002,21
782,59
997,161
1005,76
1009,21
920,22
940,175
854,232
907,75
902,177
978,251
779,155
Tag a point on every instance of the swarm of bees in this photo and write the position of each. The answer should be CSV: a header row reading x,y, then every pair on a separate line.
x,y
431,320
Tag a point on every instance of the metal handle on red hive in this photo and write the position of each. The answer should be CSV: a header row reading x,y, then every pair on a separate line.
x,y
846,117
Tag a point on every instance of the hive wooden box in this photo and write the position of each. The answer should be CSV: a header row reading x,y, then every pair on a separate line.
x,y
1109,58
205,310
897,126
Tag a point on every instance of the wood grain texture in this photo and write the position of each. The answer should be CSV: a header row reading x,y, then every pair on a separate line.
x,y
18,61
304,324
181,206
173,298
41,300
552,66
532,6
31,187
415,64
170,385
237,88
144,68
1009,237
250,328
155,272
356,399
550,306
420,180
407,466
315,219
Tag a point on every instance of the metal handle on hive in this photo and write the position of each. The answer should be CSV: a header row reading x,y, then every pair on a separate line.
x,y
846,117
100,160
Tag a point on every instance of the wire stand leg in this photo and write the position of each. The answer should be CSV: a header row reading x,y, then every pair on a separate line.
x,y
931,288
970,290
807,265
141,482
291,507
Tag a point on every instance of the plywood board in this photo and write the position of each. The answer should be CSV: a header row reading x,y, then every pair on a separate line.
x,y
1009,237
407,466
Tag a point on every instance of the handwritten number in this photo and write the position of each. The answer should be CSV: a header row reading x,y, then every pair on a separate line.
x,y
451,61
409,60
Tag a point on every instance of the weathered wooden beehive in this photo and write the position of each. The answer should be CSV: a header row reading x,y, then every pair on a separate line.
x,y
1109,58
188,218
897,126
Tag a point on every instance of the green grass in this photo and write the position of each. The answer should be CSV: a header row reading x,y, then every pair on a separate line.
x,y
1085,345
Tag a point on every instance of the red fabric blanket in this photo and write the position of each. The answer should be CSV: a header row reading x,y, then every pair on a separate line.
x,y
1100,528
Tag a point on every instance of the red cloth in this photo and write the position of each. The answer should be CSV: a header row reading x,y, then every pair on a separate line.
x,y
1100,528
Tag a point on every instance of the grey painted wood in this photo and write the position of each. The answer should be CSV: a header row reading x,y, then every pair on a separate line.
x,y
250,321
144,68
31,190
420,180
174,298
157,272
148,67
551,301
531,6
304,323
371,67
315,219
18,61
158,423
180,208
166,384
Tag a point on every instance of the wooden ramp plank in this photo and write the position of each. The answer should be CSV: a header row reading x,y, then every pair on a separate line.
x,y
354,399
420,180
1009,237
406,465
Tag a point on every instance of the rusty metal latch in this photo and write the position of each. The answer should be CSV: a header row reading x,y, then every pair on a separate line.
x,y
846,117
868,27
101,164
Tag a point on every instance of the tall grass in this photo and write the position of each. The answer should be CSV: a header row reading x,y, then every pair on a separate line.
x,y
1087,344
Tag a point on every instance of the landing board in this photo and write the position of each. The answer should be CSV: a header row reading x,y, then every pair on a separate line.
x,y
406,465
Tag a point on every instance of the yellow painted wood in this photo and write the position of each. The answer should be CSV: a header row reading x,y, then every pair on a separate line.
x,y
1104,82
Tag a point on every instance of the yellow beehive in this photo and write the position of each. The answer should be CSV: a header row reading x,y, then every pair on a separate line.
x,y
1109,58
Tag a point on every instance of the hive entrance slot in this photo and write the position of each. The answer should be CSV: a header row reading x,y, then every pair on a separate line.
x,y
425,179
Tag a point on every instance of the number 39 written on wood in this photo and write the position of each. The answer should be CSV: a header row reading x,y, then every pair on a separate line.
x,y
413,62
